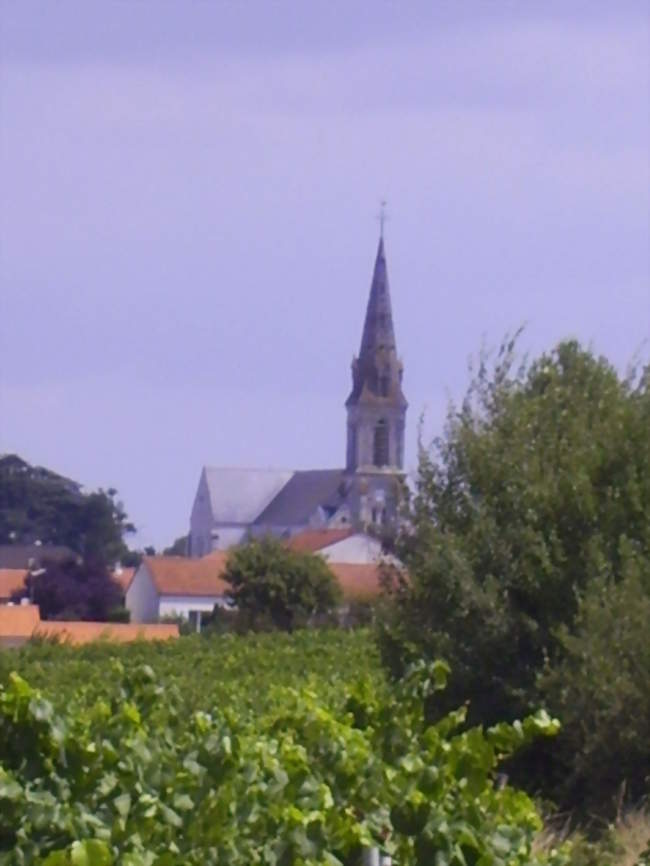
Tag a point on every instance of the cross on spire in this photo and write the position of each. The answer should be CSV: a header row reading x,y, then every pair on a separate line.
x,y
382,217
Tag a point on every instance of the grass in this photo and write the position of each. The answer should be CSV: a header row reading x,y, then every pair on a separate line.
x,y
622,844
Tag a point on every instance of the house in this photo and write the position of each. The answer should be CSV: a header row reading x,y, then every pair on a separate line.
x,y
188,588
338,545
21,622
177,586
231,505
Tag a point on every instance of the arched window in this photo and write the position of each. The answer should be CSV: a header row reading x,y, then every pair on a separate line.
x,y
380,444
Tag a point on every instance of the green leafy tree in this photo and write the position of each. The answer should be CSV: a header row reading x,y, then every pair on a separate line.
x,y
539,484
36,504
601,689
271,584
178,548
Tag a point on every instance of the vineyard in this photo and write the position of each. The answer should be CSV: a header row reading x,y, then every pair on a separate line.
x,y
272,749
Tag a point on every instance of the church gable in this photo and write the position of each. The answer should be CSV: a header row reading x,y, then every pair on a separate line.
x,y
227,502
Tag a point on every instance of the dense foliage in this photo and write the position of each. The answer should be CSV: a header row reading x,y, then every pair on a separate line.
x,y
601,689
74,590
178,548
273,585
144,766
539,487
37,504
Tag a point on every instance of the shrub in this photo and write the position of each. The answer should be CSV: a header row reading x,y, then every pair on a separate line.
x,y
272,586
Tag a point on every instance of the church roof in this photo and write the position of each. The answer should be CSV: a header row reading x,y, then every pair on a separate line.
x,y
302,495
240,495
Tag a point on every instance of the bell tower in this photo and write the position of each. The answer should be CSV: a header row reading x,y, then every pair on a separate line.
x,y
376,410
376,407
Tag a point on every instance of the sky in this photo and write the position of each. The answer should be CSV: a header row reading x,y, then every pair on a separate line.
x,y
188,201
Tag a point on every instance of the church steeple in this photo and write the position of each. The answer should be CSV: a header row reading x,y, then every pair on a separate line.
x,y
376,405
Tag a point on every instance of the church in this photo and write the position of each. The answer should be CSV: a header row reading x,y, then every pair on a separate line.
x,y
232,505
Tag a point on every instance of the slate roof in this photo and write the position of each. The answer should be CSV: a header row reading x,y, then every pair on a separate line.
x,y
240,495
301,496
19,555
180,575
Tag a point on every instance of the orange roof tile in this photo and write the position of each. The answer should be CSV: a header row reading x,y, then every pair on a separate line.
x,y
85,632
124,577
312,540
11,579
357,580
18,620
180,575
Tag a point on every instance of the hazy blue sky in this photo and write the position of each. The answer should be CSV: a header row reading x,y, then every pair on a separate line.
x,y
187,217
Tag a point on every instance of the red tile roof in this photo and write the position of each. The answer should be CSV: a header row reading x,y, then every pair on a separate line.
x,y
358,581
180,575
24,621
11,579
124,577
312,540
18,620
119,632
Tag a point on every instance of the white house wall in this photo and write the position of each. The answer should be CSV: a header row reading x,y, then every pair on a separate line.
x,y
181,605
142,597
354,549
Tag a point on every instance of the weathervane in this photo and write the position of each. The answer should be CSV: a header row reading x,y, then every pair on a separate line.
x,y
382,217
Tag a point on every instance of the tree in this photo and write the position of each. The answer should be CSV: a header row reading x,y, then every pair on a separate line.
x,y
74,590
601,690
538,485
272,584
178,548
37,504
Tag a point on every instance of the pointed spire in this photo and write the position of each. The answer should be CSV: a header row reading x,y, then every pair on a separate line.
x,y
377,372
378,329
